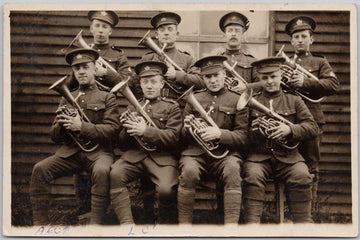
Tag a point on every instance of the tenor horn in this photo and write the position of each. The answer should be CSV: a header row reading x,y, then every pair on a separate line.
x,y
61,87
203,122
124,89
246,99
299,69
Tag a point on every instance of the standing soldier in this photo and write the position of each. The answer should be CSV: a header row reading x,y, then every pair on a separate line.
x,y
230,131
234,25
177,80
301,30
159,165
268,156
101,27
101,109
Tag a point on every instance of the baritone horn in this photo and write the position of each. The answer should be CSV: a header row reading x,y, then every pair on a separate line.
x,y
246,99
150,44
124,89
300,70
203,122
61,87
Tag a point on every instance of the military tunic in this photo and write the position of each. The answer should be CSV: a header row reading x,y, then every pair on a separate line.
x,y
160,165
102,110
195,162
183,80
277,162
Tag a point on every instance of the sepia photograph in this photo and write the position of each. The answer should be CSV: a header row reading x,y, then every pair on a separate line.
x,y
180,120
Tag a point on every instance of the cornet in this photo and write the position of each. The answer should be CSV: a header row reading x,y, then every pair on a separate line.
x,y
124,89
150,44
246,99
61,87
203,122
300,70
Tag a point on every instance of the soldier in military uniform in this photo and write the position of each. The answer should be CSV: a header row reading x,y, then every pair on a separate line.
x,y
268,157
177,81
159,165
234,25
101,27
101,109
301,31
230,133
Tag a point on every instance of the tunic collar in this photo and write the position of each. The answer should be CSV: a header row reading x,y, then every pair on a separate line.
x,y
88,88
218,93
233,52
101,46
272,95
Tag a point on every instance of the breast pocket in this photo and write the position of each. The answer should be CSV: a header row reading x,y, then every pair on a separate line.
x,y
289,114
160,119
245,70
95,112
226,117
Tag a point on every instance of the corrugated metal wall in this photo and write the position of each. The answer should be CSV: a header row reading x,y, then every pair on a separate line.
x,y
332,40
37,39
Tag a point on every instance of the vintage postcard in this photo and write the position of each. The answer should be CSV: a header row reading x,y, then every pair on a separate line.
x,y
180,120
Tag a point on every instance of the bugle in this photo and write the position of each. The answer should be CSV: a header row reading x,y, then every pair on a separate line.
x,y
300,70
203,122
246,99
124,89
61,87
150,44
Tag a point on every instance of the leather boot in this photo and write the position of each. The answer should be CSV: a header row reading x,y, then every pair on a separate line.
x,y
120,202
186,202
232,204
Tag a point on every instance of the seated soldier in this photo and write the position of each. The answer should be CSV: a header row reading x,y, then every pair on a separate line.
x,y
101,109
272,151
229,131
159,163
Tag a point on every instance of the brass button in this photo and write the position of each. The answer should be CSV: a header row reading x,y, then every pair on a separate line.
x,y
148,110
213,102
82,100
161,119
95,108
215,96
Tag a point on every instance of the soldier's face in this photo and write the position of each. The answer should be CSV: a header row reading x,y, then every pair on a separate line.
x,y
215,82
84,73
233,36
151,86
271,81
167,34
101,31
301,41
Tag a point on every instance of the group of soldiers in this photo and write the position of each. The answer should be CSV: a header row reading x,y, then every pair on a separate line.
x,y
177,136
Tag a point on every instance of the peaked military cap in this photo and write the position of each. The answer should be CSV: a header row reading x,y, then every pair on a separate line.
x,y
150,68
210,64
268,65
234,18
109,17
300,23
81,55
165,18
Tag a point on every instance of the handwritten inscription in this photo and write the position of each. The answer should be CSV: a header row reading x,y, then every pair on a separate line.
x,y
141,230
51,230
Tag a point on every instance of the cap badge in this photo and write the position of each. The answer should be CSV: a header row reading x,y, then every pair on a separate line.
x,y
209,63
147,68
299,22
233,18
79,56
162,19
103,13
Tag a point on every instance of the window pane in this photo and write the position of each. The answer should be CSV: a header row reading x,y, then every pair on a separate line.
x,y
189,24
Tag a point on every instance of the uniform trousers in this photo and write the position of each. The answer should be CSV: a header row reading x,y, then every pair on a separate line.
x,y
297,181
54,167
165,179
226,170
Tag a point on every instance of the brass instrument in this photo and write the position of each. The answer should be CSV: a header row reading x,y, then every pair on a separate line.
x,y
300,70
149,43
203,122
124,89
61,87
233,82
246,99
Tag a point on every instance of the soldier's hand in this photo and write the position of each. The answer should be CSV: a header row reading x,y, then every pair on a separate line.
x,y
101,70
136,128
287,72
171,72
71,123
187,121
279,132
297,81
210,133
